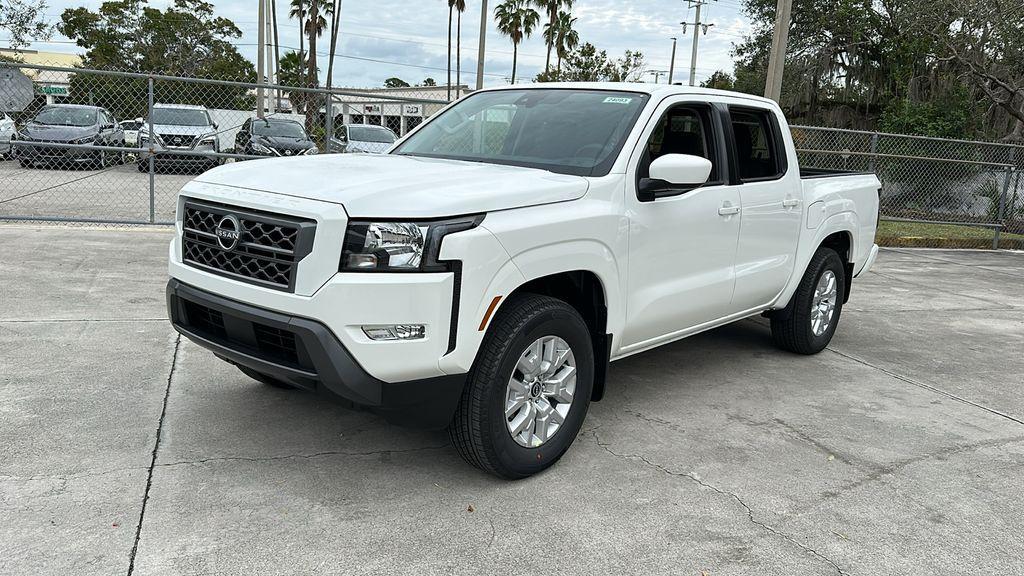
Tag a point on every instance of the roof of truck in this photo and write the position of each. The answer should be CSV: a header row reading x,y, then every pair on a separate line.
x,y
641,87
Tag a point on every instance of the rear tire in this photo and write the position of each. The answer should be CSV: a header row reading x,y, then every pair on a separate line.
x,y
807,324
523,369
265,379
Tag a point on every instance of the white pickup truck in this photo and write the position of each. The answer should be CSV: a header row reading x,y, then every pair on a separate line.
x,y
481,275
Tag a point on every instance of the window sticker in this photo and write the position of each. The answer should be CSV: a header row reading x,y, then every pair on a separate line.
x,y
617,100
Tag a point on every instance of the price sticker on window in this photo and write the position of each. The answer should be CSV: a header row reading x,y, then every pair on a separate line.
x,y
617,100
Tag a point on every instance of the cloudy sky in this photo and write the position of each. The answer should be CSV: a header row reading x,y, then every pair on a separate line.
x,y
407,38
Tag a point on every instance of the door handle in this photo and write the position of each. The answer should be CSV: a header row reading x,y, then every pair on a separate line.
x,y
790,203
728,209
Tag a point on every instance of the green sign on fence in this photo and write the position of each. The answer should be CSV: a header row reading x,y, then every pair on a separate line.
x,y
54,90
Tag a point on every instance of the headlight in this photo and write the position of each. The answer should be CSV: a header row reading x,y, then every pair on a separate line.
x,y
399,246
208,141
257,147
88,140
311,151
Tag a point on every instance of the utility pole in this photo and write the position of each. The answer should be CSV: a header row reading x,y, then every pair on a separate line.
x,y
672,66
483,46
698,26
272,95
777,58
261,64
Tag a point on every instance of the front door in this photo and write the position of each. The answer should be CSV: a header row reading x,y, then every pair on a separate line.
x,y
682,245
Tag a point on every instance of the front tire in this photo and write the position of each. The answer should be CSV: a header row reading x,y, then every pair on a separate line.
x,y
529,390
807,324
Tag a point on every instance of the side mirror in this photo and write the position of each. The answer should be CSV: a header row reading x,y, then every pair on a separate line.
x,y
673,172
214,124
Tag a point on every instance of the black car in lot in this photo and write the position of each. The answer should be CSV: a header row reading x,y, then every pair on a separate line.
x,y
69,124
273,137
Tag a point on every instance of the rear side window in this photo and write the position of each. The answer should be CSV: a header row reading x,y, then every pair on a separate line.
x,y
758,150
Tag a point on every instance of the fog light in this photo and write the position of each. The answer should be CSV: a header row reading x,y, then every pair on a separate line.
x,y
396,332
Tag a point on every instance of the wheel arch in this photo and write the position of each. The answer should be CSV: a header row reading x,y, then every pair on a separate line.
x,y
585,292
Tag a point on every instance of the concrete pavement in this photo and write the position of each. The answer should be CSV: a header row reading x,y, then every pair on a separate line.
x,y
897,451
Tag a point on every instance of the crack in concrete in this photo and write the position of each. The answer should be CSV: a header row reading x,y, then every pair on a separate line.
x,y
156,449
693,478
882,471
294,456
925,386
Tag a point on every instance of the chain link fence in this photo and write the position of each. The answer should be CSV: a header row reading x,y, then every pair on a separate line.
x,y
935,192
115,148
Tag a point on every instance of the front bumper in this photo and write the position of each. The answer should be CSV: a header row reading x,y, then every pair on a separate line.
x,y
305,353
39,152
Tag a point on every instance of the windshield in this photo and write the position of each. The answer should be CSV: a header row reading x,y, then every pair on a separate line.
x,y
576,132
371,134
180,117
278,129
60,116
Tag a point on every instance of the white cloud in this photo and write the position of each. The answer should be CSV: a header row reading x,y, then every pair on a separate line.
x,y
409,36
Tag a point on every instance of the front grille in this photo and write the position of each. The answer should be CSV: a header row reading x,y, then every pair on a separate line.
x,y
275,344
184,140
205,319
267,252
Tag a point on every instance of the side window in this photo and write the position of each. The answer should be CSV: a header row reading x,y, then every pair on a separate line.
x,y
681,130
757,146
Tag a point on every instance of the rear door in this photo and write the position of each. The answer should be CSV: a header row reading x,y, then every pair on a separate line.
x,y
770,193
682,245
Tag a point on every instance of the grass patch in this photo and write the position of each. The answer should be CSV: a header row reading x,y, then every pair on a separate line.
x,y
925,235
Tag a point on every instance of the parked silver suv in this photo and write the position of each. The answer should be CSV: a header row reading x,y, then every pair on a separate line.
x,y
179,128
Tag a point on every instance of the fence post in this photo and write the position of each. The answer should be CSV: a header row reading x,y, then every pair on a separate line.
x,y
873,150
329,129
152,163
1002,205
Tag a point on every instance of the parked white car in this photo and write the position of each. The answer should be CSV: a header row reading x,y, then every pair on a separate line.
x,y
6,133
355,138
131,131
482,274
184,136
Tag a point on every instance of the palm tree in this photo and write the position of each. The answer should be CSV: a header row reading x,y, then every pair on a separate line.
x,y
517,21
453,5
566,37
298,11
553,9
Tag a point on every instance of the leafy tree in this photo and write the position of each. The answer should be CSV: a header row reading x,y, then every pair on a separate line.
x,y
395,83
25,21
849,61
517,21
720,80
429,82
588,64
185,39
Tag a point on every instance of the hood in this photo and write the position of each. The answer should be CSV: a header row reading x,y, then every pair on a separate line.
x,y
389,186
371,147
286,144
57,133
